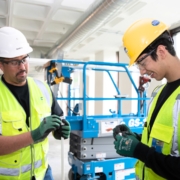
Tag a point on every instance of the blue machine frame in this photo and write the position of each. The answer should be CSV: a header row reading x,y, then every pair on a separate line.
x,y
89,126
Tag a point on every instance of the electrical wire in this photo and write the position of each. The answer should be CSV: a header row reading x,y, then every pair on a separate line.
x,y
69,107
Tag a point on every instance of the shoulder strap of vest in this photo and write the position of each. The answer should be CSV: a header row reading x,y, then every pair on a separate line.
x,y
44,90
155,91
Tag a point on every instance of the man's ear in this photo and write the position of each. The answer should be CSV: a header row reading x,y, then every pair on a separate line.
x,y
161,51
1,67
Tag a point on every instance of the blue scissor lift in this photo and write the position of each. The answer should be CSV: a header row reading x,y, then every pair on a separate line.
x,y
92,154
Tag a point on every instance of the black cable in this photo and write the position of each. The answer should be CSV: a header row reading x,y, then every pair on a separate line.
x,y
69,107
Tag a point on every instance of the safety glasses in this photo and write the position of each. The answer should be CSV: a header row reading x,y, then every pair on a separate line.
x,y
141,65
15,62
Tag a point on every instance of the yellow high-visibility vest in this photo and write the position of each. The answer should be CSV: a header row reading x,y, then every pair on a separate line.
x,y
31,160
163,133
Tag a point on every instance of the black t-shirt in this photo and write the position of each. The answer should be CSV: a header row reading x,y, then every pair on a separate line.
x,y
22,95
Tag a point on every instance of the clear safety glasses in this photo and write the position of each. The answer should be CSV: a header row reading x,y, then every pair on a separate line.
x,y
142,65
16,62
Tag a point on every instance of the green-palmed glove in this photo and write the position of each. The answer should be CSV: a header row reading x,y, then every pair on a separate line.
x,y
63,130
48,124
123,129
125,145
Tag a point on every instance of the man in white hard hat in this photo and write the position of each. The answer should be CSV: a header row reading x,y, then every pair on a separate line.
x,y
149,46
28,113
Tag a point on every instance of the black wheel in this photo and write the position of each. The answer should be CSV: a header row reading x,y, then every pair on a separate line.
x,y
70,174
102,176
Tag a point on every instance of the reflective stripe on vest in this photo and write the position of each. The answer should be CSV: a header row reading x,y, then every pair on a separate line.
x,y
176,111
8,171
26,168
155,91
44,90
16,171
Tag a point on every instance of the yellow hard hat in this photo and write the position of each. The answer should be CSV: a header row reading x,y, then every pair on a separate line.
x,y
140,35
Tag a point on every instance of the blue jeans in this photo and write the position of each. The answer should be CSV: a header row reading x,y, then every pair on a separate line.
x,y
48,175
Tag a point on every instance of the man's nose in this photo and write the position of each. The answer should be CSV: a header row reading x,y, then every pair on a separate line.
x,y
142,71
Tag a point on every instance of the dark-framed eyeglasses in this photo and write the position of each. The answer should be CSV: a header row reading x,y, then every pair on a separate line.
x,y
15,62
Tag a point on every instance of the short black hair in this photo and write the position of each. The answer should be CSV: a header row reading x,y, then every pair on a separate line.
x,y
164,39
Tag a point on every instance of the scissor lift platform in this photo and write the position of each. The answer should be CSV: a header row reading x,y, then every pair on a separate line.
x,y
110,169
92,155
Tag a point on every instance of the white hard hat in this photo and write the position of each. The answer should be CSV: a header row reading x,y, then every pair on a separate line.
x,y
13,43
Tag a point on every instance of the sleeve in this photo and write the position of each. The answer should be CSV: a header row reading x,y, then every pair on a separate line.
x,y
138,136
166,166
56,109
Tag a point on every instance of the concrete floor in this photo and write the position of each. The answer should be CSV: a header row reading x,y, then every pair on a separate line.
x,y
55,158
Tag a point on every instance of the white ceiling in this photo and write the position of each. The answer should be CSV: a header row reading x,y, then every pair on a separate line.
x,y
51,23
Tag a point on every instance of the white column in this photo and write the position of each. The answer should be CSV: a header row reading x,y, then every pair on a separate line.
x,y
90,87
103,84
125,84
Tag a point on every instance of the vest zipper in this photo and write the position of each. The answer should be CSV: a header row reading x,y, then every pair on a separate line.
x,y
32,145
143,172
32,153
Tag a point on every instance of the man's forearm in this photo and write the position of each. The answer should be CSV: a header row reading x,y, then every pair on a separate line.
x,y
11,144
166,166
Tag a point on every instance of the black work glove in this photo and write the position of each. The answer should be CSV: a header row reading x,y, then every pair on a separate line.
x,y
122,129
63,130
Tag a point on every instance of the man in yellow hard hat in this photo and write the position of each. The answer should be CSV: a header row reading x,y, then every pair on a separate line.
x,y
149,46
